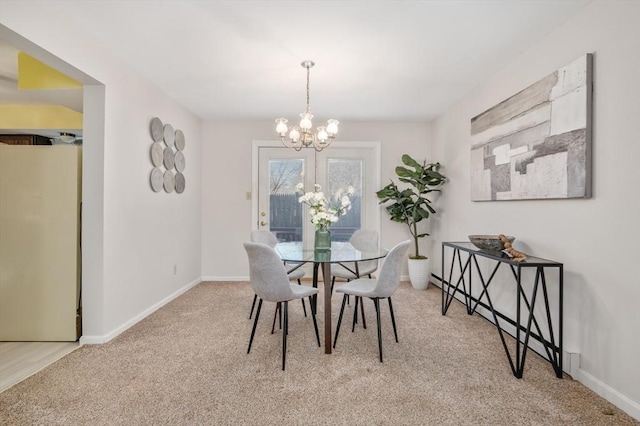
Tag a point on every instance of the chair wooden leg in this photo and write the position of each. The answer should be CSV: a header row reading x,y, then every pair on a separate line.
x,y
255,323
312,308
315,323
285,331
393,320
304,309
355,313
277,313
376,302
253,305
335,338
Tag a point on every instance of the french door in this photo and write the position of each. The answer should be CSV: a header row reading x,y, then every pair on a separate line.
x,y
278,170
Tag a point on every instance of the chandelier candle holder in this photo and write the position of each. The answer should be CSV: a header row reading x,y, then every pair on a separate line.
x,y
303,135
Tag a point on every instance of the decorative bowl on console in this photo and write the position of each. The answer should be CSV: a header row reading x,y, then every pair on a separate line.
x,y
489,242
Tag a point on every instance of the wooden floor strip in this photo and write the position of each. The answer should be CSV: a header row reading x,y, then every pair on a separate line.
x,y
19,360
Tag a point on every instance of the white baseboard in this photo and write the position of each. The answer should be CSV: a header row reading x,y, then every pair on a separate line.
x,y
621,401
225,278
91,340
97,340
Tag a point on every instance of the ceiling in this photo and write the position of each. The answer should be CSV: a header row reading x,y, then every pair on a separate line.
x,y
375,60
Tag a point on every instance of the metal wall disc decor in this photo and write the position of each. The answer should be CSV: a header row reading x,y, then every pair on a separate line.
x,y
157,155
169,135
156,128
169,158
179,183
168,163
169,181
179,161
157,180
180,142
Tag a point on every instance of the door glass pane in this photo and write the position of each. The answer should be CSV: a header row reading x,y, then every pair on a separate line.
x,y
342,174
284,209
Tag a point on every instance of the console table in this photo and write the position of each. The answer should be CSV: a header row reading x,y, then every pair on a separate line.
x,y
524,330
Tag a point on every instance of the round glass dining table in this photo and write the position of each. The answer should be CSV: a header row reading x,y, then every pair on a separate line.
x,y
341,253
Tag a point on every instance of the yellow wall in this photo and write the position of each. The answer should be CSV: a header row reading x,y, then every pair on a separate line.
x,y
39,117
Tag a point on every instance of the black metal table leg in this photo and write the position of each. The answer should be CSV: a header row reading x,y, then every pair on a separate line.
x,y
527,326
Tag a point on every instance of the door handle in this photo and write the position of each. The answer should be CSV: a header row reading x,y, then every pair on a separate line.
x,y
263,223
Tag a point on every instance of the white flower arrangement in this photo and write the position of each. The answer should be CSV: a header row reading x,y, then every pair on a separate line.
x,y
322,215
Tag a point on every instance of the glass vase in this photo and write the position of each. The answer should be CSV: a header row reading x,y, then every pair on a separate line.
x,y
323,240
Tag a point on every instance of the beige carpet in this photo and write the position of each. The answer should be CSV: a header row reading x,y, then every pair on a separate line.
x,y
187,364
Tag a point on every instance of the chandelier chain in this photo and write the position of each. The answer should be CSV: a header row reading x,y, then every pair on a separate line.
x,y
308,67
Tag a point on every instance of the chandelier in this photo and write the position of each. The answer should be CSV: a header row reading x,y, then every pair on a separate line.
x,y
303,135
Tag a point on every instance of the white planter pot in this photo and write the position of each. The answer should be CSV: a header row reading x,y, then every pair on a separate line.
x,y
419,273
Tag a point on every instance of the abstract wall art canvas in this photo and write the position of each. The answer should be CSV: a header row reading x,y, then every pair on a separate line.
x,y
537,143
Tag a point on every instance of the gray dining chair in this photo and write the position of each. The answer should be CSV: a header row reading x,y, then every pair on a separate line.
x,y
376,289
270,282
268,238
363,240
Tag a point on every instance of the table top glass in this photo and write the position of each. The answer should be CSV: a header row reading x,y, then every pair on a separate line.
x,y
340,252
530,261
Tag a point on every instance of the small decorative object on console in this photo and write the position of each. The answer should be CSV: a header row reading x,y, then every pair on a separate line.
x,y
517,256
489,242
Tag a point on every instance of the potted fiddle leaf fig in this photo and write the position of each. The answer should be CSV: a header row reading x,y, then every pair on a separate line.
x,y
411,206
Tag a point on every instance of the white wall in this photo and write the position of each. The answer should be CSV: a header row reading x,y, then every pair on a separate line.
x,y
597,238
226,213
139,235
132,237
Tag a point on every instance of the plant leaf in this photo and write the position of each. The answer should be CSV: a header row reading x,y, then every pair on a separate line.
x,y
408,161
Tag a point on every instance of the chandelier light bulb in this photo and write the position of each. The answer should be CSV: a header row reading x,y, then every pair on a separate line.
x,y
322,134
294,134
281,126
332,127
305,121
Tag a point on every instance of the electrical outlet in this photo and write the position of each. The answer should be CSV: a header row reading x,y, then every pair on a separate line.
x,y
248,195
175,269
